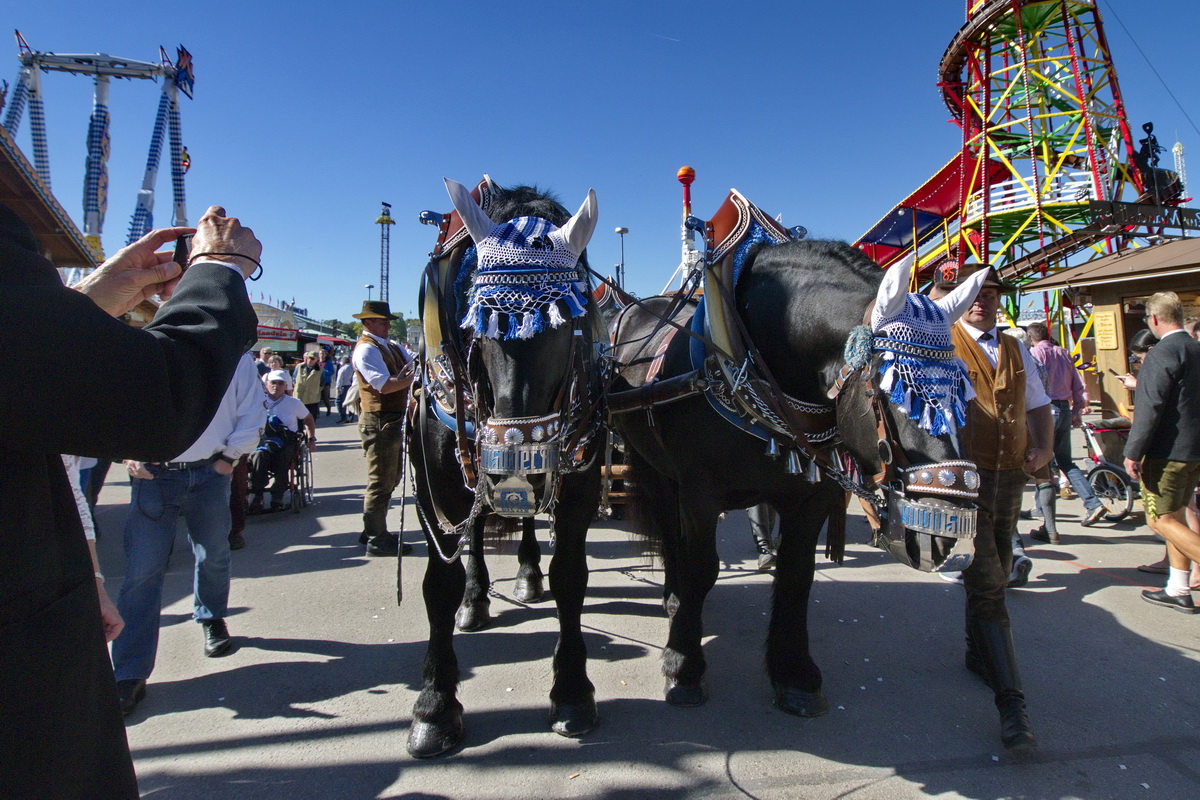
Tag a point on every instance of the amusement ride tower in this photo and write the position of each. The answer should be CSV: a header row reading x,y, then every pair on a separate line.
x,y
385,222
176,77
1046,152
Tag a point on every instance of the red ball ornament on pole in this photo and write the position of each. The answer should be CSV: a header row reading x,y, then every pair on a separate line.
x,y
686,175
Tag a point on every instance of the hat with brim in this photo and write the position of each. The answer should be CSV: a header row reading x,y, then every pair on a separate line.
x,y
949,275
375,309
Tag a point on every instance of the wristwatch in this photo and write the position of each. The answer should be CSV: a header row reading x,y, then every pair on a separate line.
x,y
226,459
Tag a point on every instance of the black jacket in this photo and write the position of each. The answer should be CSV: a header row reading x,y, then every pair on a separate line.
x,y
1166,417
75,380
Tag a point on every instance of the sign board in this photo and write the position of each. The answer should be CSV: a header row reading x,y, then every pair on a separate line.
x,y
1104,326
1112,216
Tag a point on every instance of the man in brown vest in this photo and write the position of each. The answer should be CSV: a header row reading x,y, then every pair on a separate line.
x,y
1008,434
384,371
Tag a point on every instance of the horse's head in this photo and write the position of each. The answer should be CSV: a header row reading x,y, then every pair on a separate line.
x,y
531,354
901,411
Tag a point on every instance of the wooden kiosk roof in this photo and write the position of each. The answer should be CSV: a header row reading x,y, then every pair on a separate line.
x,y
24,192
1167,260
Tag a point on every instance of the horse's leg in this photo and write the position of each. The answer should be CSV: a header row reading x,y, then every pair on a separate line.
x,y
572,697
437,715
695,571
528,587
795,677
474,613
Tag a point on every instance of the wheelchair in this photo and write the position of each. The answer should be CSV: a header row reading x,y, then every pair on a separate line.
x,y
300,476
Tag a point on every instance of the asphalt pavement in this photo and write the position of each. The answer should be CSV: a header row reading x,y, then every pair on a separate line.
x,y
317,698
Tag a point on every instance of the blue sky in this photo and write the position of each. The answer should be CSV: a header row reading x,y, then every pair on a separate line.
x,y
306,116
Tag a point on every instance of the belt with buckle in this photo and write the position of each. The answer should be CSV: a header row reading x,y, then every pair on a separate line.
x,y
176,466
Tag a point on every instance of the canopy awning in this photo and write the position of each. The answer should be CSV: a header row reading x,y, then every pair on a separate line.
x,y
334,340
1167,260
936,201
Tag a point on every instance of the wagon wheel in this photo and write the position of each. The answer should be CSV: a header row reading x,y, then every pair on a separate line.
x,y
1114,490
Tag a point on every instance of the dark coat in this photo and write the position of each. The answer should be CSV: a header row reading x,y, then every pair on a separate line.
x,y
1166,418
75,380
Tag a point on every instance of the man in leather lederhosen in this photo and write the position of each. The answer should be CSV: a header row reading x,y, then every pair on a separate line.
x,y
384,371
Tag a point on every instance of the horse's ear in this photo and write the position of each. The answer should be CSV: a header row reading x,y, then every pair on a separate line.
x,y
578,229
478,224
889,302
958,301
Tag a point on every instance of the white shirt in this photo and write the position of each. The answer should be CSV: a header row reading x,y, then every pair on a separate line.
x,y
369,363
289,409
1035,392
238,424
345,375
85,513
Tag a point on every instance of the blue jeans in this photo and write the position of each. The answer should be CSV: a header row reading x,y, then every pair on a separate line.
x,y
202,496
1062,456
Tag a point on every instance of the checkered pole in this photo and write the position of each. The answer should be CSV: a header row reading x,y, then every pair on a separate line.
x,y
16,104
95,181
37,126
143,213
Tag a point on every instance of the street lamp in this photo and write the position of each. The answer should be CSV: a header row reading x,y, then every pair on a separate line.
x,y
621,267
369,287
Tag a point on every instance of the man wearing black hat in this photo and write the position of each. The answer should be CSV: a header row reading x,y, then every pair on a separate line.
x,y
384,370
1008,434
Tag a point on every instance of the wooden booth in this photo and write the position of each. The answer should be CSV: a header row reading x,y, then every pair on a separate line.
x,y
1118,286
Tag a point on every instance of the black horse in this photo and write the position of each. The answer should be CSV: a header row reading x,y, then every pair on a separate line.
x,y
800,302
517,370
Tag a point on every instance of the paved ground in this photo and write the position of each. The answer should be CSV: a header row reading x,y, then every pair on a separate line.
x,y
316,701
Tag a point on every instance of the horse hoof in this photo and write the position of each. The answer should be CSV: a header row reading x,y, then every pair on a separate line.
x,y
678,694
473,616
529,590
429,739
573,719
799,702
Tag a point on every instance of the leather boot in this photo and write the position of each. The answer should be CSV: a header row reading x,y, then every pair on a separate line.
x,y
994,640
374,527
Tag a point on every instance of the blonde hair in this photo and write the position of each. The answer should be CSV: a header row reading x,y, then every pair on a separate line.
x,y
1166,306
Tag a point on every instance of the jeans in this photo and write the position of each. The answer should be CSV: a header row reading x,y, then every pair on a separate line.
x,y
202,496
1062,456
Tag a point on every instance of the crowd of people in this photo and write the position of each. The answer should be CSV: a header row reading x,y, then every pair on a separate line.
x,y
227,427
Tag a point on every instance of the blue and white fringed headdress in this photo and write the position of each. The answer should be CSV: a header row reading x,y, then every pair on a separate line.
x,y
523,268
919,371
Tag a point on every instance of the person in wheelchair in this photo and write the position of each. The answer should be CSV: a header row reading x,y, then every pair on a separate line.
x,y
277,447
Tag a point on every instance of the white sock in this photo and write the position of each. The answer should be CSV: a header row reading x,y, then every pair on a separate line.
x,y
1017,547
1177,582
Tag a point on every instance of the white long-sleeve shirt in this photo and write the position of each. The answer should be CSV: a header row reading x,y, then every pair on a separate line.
x,y
345,375
238,424
368,361
85,513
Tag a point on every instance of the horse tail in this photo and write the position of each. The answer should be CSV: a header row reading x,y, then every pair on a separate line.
x,y
653,505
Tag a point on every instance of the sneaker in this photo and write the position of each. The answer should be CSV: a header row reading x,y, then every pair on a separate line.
x,y
1022,566
1092,517
951,577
